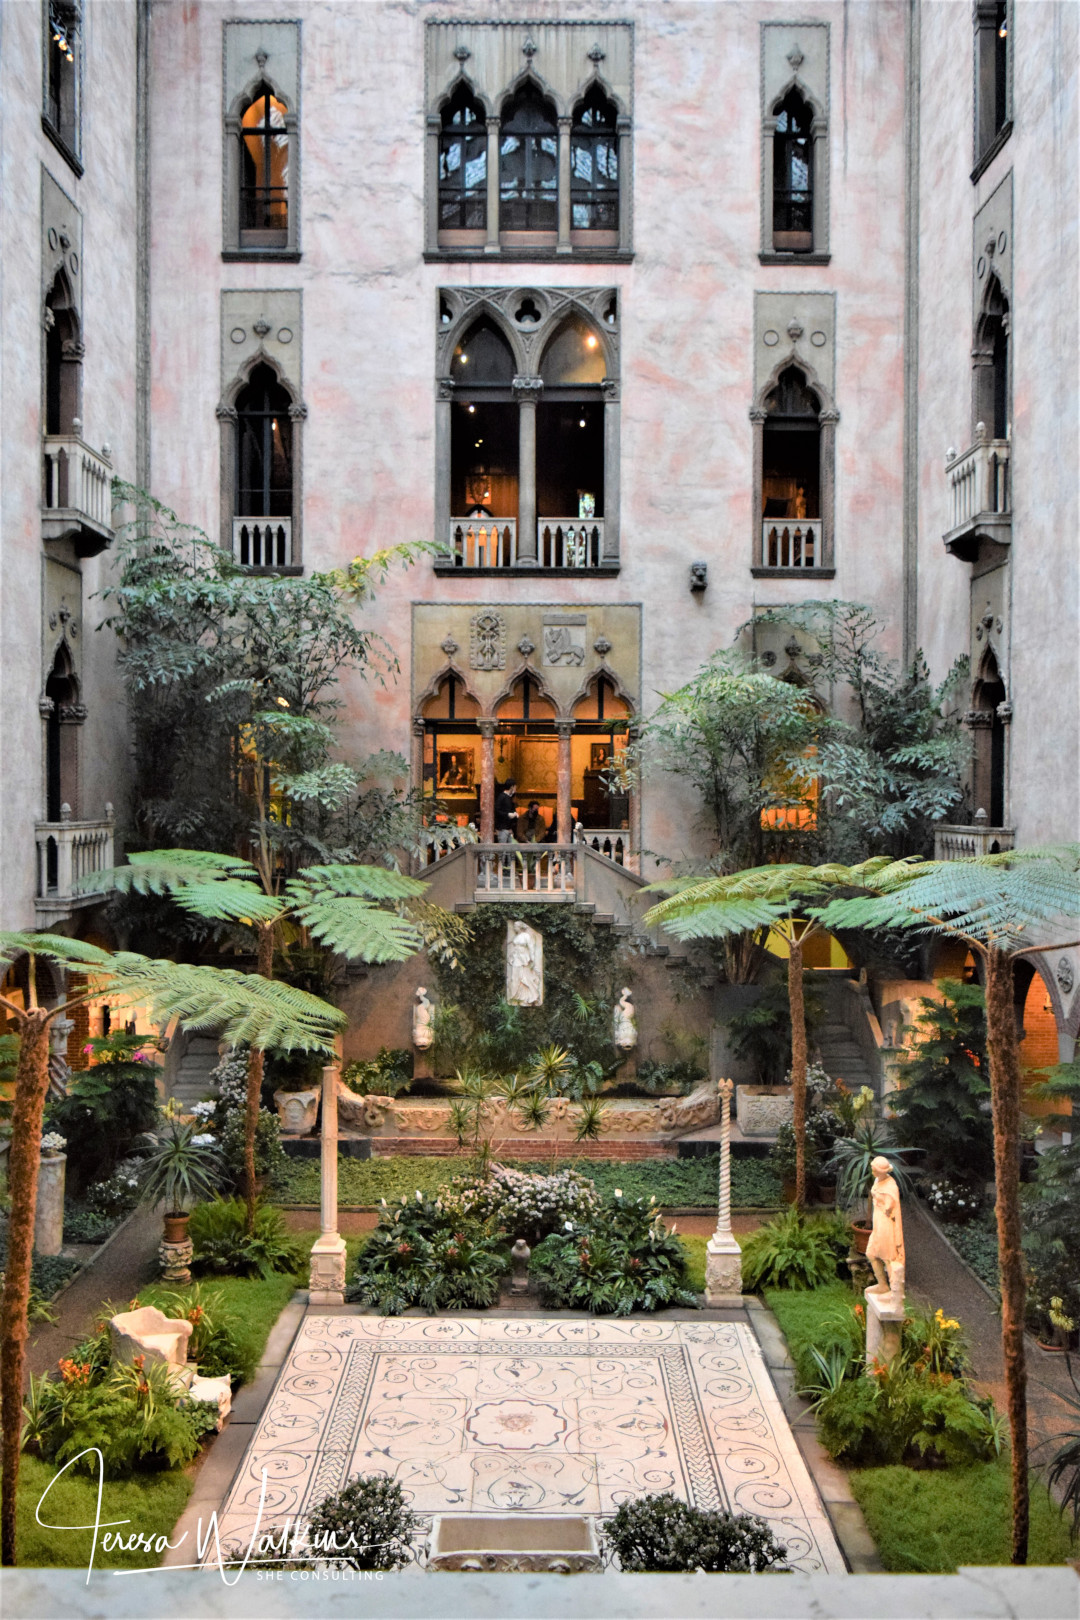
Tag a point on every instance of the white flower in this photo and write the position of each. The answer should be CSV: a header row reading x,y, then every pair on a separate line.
x,y
569,1225
419,1196
53,1142
205,1139
618,1192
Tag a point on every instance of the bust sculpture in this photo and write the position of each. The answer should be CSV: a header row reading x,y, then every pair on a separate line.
x,y
885,1250
423,1033
625,1032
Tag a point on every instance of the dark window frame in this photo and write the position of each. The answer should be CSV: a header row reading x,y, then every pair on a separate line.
x,y
61,113
254,434
532,204
793,142
468,202
598,197
257,203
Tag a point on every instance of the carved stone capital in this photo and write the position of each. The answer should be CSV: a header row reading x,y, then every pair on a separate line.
x,y
446,387
72,714
1004,712
564,728
45,707
977,719
611,388
829,418
418,727
487,729
757,413
226,413
298,413
73,351
527,390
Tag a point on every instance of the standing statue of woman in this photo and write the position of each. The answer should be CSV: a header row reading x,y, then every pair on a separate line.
x,y
885,1250
524,965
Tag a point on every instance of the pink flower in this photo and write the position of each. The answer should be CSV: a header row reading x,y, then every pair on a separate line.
x,y
87,1051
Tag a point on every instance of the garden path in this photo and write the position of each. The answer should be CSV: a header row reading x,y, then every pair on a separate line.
x,y
936,1276
128,1263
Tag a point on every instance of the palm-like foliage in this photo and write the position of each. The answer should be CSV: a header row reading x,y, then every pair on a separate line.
x,y
244,1006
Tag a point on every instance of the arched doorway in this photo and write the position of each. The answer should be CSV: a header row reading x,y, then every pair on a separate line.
x,y
988,775
450,743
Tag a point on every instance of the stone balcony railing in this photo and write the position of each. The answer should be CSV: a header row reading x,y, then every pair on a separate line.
x,y
517,871
791,543
495,543
76,497
69,853
980,495
260,542
959,843
612,842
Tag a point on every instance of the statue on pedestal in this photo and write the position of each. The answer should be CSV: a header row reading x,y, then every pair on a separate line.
x,y
625,1034
885,1250
423,1033
524,965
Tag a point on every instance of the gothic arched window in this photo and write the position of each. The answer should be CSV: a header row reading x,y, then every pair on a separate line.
x,y
793,176
594,164
528,163
463,164
264,479
264,172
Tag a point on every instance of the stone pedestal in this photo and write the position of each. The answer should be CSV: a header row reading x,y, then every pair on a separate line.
x,y
49,1217
884,1328
297,1111
723,1271
326,1281
176,1260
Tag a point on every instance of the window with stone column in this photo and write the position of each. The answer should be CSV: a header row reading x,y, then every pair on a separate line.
x,y
262,140
794,142
794,459
527,430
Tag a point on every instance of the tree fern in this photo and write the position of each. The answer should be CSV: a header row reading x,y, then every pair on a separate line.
x,y
359,930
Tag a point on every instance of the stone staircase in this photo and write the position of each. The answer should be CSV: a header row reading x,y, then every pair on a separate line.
x,y
197,1056
841,1055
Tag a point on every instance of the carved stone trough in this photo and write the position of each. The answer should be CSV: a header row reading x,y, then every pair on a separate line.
x,y
761,1110
514,1542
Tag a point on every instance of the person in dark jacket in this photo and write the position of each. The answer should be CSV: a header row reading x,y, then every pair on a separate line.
x,y
506,813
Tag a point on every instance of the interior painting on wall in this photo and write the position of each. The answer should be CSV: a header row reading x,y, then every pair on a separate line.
x,y
456,769
599,757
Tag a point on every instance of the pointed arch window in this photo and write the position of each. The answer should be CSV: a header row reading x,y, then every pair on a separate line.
x,y
793,463
991,362
463,164
264,448
793,176
594,164
528,163
63,64
264,171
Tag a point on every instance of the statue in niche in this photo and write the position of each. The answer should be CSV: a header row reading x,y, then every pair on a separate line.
x,y
885,1250
524,965
625,1034
423,1033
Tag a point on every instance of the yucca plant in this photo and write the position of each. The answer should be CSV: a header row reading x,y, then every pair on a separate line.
x,y
241,1005
1001,907
181,1170
852,1157
343,908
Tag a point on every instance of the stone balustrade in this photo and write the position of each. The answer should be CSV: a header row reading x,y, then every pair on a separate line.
x,y
791,543
510,871
493,543
262,542
957,843
69,853
76,491
979,481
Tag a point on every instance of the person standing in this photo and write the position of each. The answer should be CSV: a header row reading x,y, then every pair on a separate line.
x,y
506,814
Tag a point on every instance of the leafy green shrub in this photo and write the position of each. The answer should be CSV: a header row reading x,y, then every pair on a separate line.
x,y
386,1075
366,1525
681,1075
115,1195
944,1085
621,1259
524,1205
822,1318
270,1157
133,1415
213,1342
224,1246
795,1251
935,1343
664,1534
900,1415
422,1254
108,1106
977,1244
83,1225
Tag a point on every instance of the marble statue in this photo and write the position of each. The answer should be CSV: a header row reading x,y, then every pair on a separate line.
x,y
885,1250
423,1033
625,1025
524,965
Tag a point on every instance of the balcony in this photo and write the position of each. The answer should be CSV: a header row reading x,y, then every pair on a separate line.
x,y
76,500
790,543
980,497
958,843
260,542
68,854
487,545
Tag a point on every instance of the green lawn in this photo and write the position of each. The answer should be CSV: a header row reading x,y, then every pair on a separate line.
x,y
151,1502
804,1316
675,1183
933,1520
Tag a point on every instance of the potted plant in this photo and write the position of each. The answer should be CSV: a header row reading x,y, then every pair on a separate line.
x,y
183,1169
851,1159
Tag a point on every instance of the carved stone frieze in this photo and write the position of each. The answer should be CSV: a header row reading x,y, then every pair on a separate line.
x,y
487,640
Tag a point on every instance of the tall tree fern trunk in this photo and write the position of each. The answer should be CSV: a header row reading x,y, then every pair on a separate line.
x,y
31,1088
254,1082
1004,1056
797,1008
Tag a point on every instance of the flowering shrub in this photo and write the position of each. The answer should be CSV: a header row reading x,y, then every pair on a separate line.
x,y
131,1413
53,1142
899,1414
621,1259
117,1195
524,1205
423,1252
668,1535
951,1200
935,1343
108,1106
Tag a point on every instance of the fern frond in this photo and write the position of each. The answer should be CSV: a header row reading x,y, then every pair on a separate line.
x,y
240,1007
159,871
229,900
359,930
75,953
363,882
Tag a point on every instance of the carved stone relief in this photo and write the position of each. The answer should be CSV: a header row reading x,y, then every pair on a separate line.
x,y
487,640
564,639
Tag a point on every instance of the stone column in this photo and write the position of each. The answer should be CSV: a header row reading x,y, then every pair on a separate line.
x,y
443,431
758,558
626,190
431,209
418,755
492,243
487,781
828,421
612,465
327,1277
723,1257
527,394
565,729
768,134
49,1216
563,242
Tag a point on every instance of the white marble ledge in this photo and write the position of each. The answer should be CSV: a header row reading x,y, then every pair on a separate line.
x,y
971,1594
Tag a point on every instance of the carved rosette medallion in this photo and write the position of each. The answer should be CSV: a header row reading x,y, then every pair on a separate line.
x,y
487,640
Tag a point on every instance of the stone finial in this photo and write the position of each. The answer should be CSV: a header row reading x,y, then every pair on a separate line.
x,y
462,52
449,646
795,57
528,50
596,55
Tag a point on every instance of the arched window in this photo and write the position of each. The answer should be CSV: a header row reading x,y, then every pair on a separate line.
x,y
463,164
570,449
594,164
528,163
264,448
264,172
793,176
62,52
991,356
791,474
61,733
988,783
63,370
484,449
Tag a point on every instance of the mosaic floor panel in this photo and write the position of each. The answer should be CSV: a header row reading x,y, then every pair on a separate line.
x,y
561,1415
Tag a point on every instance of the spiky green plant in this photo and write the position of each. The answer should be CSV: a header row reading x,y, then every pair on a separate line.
x,y
242,1006
1001,907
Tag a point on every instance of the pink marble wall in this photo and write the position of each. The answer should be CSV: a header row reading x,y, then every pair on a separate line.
x,y
687,311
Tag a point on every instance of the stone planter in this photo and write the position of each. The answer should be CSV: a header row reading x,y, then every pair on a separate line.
x,y
49,1215
297,1111
514,1543
761,1110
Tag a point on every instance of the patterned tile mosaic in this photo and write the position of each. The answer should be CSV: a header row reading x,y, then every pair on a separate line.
x,y
562,1415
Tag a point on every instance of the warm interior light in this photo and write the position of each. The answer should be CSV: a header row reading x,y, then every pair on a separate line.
x,y
590,341
581,422
464,359
472,410
1004,29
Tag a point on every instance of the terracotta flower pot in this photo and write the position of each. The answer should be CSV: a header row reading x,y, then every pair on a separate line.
x,y
826,1193
176,1227
861,1231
